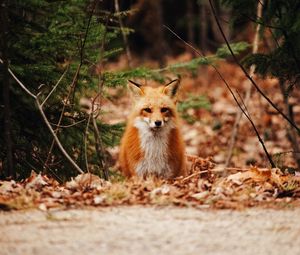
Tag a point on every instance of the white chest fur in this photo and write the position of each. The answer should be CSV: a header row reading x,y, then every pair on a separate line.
x,y
154,145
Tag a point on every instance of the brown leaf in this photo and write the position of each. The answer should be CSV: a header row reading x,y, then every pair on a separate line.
x,y
7,186
35,181
200,195
87,180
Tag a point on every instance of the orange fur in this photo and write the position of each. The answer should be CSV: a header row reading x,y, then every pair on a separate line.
x,y
130,152
148,149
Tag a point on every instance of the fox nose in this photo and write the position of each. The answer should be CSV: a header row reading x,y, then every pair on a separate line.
x,y
157,123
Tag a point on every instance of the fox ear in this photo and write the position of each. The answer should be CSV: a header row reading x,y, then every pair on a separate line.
x,y
171,88
135,88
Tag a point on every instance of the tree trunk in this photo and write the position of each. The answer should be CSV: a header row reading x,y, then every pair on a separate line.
x,y
203,25
148,23
224,14
159,47
9,168
190,22
291,132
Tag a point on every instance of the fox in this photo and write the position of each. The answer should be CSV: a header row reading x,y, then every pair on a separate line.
x,y
152,144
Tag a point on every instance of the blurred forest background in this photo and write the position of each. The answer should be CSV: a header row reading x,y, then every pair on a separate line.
x,y
75,57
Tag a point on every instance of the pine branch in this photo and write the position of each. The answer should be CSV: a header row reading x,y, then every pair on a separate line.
x,y
74,82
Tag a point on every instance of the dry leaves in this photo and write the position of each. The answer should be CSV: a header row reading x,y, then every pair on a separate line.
x,y
203,188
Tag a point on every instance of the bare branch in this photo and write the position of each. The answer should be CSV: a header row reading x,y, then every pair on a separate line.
x,y
230,90
46,121
239,114
62,113
85,142
246,73
68,126
54,88
19,82
246,113
56,138
74,81
98,141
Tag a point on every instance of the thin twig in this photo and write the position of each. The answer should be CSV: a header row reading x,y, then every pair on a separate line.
x,y
254,127
54,88
186,43
246,73
99,149
257,20
85,142
62,113
46,121
194,174
19,82
229,169
56,138
98,141
216,170
230,90
74,81
68,126
242,101
239,114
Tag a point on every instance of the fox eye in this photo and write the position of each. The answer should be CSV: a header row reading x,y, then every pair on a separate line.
x,y
147,110
164,109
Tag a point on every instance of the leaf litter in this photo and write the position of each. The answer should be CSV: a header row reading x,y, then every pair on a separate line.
x,y
204,187
208,184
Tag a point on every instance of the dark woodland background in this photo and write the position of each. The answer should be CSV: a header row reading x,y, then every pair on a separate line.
x,y
66,48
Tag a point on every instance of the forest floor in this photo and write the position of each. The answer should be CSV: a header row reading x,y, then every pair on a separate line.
x,y
209,112
150,230
179,217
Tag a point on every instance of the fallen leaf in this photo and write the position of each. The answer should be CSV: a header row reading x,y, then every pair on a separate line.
x,y
87,180
200,195
35,181
99,199
42,207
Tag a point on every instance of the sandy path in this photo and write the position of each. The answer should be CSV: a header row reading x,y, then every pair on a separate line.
x,y
137,230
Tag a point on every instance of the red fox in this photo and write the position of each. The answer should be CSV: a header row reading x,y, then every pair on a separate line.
x,y
152,143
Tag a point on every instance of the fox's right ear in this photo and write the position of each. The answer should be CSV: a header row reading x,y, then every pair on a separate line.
x,y
135,88
171,88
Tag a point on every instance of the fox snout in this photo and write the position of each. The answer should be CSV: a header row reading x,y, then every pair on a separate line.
x,y
158,123
156,116
154,123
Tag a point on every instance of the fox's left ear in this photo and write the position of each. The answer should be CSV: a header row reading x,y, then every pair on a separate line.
x,y
135,88
171,88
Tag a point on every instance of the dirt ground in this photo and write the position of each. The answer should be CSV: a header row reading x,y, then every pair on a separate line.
x,y
150,230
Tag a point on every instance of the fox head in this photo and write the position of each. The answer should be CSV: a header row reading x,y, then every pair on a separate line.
x,y
154,108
